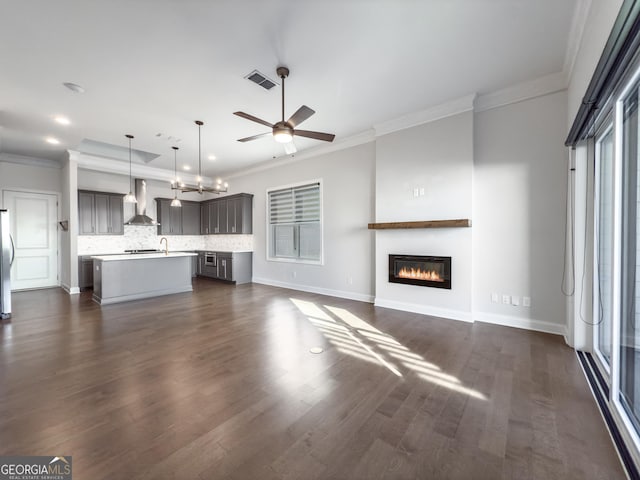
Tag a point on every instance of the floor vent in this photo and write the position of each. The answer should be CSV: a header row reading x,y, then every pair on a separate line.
x,y
261,79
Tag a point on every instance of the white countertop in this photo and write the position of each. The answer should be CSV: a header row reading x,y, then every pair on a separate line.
x,y
142,256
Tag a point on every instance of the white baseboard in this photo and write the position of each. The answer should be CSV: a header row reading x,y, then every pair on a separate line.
x,y
70,290
360,297
517,322
425,310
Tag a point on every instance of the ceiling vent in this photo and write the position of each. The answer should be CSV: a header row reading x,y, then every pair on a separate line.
x,y
261,79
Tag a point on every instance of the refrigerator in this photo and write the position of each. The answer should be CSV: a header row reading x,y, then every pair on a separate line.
x,y
7,252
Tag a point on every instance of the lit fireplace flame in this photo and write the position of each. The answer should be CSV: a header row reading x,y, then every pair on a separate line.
x,y
418,274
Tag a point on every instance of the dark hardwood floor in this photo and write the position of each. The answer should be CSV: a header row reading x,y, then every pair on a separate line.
x,y
220,384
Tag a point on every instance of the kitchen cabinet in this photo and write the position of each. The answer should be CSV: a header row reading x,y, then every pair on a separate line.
x,y
235,267
169,218
240,213
225,266
232,214
100,213
190,218
183,220
85,272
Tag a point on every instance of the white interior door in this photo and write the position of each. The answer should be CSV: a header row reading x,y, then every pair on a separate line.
x,y
34,222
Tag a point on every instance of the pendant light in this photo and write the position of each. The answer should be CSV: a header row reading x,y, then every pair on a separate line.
x,y
130,197
176,201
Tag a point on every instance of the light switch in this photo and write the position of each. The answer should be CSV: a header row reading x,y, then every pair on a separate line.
x,y
494,297
526,301
506,299
515,300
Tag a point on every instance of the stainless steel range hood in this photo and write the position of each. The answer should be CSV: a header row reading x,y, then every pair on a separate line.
x,y
141,218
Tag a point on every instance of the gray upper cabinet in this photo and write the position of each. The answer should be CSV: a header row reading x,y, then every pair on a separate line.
x,y
183,220
240,213
190,218
231,214
100,213
86,213
170,218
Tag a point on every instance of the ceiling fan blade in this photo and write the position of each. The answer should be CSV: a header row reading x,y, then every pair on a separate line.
x,y
327,137
253,119
290,148
300,116
248,139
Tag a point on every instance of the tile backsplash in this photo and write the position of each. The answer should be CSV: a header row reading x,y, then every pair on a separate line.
x,y
138,237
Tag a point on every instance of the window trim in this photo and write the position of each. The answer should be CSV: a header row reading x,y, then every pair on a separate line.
x,y
269,241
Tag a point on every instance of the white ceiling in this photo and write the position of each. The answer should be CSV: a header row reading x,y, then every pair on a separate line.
x,y
155,66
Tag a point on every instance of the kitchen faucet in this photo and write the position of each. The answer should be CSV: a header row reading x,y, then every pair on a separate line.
x,y
166,245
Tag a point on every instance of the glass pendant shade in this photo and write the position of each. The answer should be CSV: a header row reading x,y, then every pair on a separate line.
x,y
176,201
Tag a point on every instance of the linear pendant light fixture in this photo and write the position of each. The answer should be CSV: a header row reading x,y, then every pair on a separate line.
x,y
219,187
130,197
176,201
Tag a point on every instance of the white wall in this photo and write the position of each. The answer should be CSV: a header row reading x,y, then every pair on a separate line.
x,y
348,205
520,175
438,157
30,177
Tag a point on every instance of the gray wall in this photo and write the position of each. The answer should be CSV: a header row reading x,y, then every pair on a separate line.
x,y
348,205
519,211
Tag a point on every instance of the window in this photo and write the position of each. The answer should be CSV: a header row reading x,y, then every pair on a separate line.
x,y
603,291
629,340
294,214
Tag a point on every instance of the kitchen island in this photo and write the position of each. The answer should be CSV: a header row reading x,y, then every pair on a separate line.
x,y
120,278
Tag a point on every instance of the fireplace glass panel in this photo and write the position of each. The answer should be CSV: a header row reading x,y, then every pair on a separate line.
x,y
425,271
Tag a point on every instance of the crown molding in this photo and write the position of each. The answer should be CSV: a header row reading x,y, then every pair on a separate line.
x,y
348,142
33,161
537,87
576,31
448,109
109,165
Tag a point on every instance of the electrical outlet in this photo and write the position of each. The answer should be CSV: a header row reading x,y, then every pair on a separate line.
x,y
416,192
422,191
294,274
515,300
506,299
526,301
494,297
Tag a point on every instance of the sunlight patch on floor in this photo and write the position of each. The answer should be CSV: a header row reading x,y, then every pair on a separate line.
x,y
351,335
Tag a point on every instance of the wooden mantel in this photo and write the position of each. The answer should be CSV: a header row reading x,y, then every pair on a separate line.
x,y
458,223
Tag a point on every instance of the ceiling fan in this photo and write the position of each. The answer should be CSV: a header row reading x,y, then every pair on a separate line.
x,y
283,131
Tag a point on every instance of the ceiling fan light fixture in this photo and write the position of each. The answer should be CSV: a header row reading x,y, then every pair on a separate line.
x,y
282,133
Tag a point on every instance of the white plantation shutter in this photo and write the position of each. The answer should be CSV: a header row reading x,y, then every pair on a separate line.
x,y
294,217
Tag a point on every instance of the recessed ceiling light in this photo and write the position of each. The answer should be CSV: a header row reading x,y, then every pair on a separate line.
x,y
74,87
52,141
186,167
211,157
62,120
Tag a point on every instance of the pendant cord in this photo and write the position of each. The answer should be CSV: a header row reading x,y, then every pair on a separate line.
x,y
199,156
283,77
130,183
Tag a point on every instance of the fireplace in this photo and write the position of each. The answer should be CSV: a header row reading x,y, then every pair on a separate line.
x,y
420,270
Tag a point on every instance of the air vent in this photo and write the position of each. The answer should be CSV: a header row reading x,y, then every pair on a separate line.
x,y
261,79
